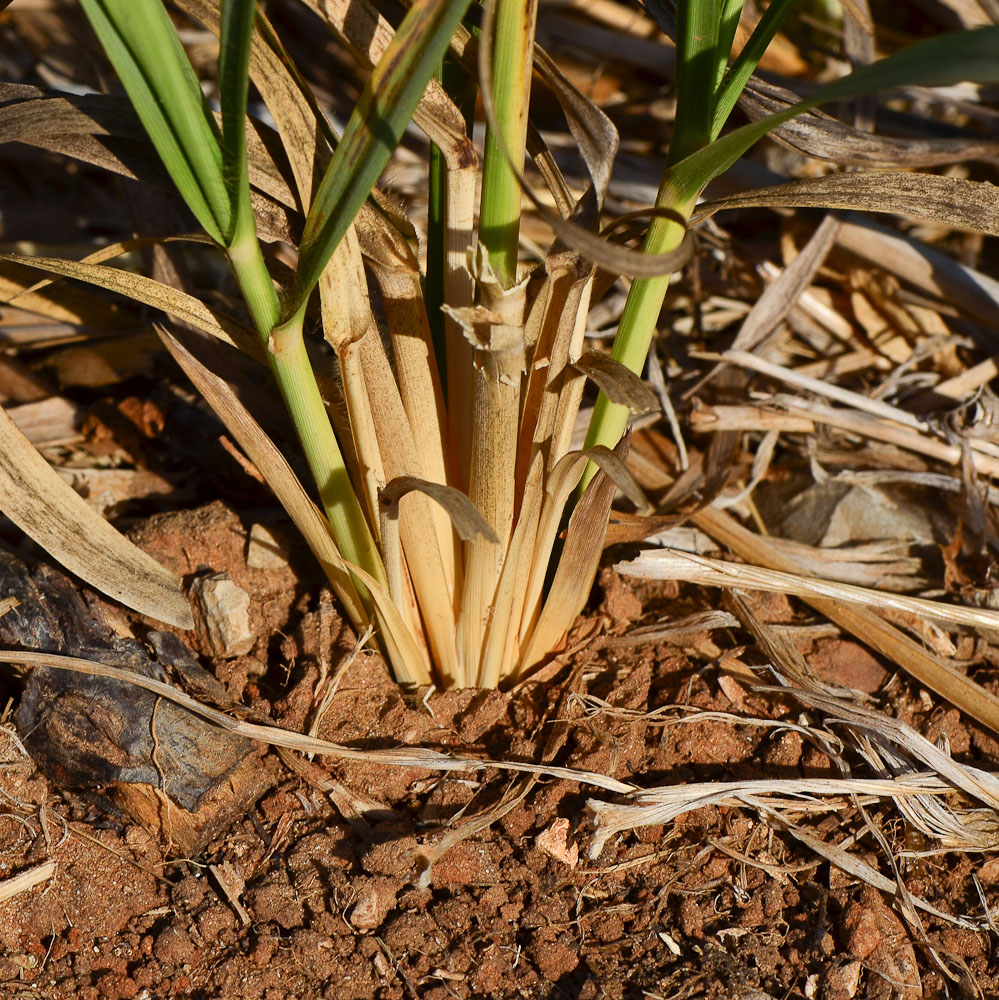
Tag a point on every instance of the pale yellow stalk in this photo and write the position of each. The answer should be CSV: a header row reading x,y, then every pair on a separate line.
x,y
497,336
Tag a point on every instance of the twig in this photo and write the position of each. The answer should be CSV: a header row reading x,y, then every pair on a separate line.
x,y
27,880
671,564
855,400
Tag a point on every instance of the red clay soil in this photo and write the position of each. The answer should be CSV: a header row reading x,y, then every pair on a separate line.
x,y
293,902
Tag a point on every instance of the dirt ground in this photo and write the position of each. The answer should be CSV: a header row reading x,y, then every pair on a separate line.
x,y
292,900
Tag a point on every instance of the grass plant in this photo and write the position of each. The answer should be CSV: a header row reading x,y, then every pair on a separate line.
x,y
455,515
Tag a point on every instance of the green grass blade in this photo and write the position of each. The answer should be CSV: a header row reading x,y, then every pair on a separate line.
x,y
143,46
384,110
966,56
697,24
235,38
731,13
749,58
234,75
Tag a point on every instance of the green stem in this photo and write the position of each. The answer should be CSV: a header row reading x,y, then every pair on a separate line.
x,y
512,55
297,382
636,328
705,29
697,28
250,271
300,392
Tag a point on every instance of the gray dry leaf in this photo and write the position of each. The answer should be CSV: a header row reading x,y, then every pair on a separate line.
x,y
104,131
817,134
183,307
964,204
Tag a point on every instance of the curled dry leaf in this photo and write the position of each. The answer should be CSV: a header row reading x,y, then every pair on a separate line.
x,y
465,516
618,383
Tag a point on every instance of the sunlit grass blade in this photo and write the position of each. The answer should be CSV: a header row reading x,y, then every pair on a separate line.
x,y
143,46
235,42
733,82
499,214
301,123
697,59
297,382
384,110
285,349
234,68
501,645
730,15
418,518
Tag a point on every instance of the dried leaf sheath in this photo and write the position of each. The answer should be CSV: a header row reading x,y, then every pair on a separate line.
x,y
565,300
501,651
415,367
347,318
495,331
576,569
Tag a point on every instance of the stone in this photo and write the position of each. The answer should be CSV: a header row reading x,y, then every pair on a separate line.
x,y
267,548
224,611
